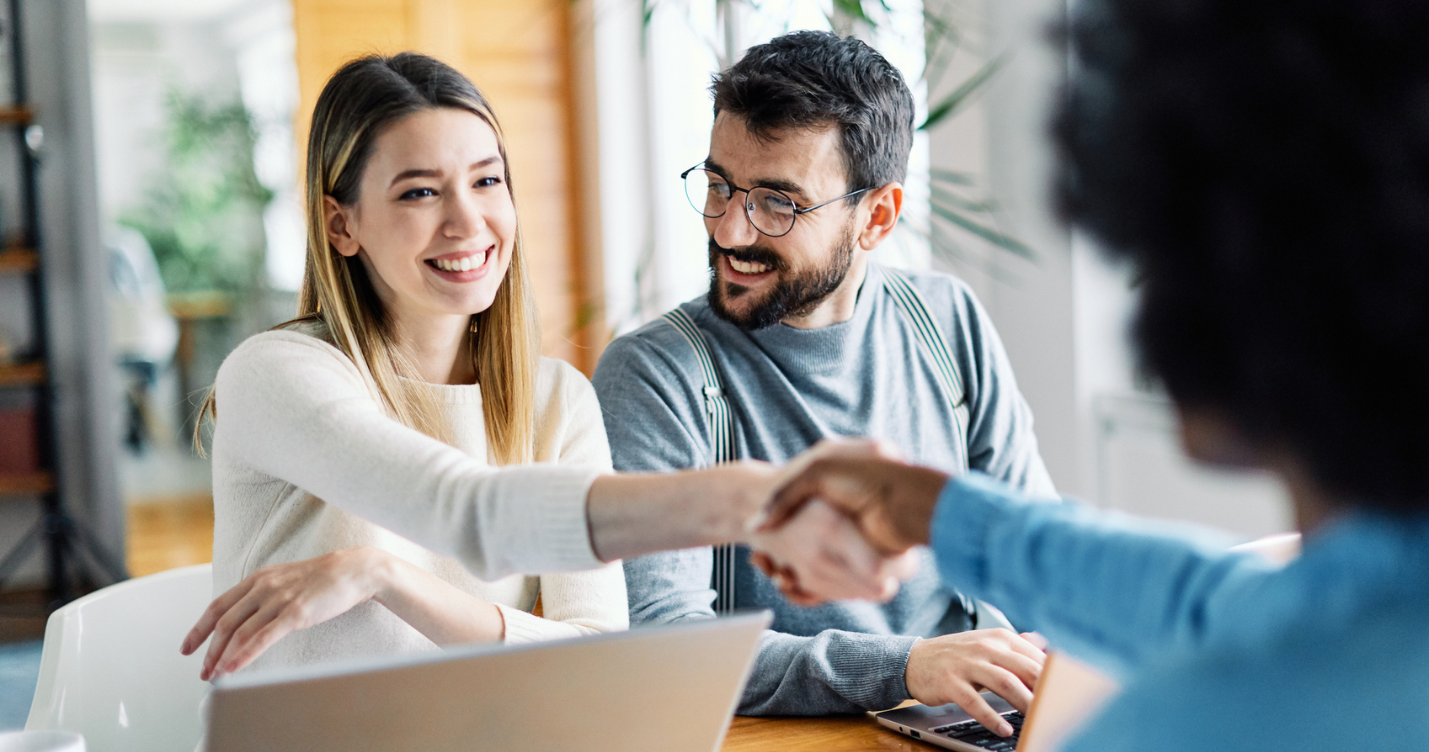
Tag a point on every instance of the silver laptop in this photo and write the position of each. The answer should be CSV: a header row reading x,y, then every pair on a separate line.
x,y
670,688
1067,694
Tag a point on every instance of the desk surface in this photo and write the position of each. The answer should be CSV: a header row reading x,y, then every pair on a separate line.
x,y
839,734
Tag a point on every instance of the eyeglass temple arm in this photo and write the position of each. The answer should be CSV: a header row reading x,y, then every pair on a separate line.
x,y
808,209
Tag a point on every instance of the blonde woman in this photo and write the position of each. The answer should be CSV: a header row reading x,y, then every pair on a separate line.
x,y
374,484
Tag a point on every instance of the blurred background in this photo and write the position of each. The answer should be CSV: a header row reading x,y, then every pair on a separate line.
x,y
150,215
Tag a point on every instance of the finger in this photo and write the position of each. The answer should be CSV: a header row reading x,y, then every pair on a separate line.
x,y
209,619
259,634
973,703
790,499
1037,640
1006,685
229,623
765,564
1025,669
1026,647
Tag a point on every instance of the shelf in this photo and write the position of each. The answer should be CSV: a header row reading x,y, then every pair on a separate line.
x,y
22,374
27,484
18,260
16,115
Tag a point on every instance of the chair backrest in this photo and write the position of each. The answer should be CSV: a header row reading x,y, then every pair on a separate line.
x,y
111,668
1280,549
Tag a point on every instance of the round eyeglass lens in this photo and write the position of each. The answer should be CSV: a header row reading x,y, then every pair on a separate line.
x,y
771,212
707,192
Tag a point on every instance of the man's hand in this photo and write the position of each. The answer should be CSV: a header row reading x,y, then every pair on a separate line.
x,y
956,667
819,551
890,501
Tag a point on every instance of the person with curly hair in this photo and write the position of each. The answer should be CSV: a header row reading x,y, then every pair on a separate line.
x,y
1264,167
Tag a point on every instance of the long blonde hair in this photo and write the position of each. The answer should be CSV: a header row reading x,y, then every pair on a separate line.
x,y
357,104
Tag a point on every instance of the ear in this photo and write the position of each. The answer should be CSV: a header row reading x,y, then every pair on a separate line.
x,y
884,206
337,222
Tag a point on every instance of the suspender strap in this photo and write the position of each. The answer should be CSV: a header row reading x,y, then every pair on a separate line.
x,y
930,337
720,421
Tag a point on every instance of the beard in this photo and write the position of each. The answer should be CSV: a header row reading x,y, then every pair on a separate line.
x,y
794,294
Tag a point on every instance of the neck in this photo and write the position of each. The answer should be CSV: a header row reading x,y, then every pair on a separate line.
x,y
1314,508
839,306
439,348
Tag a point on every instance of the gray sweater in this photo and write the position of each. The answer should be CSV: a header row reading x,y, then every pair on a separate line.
x,y
788,388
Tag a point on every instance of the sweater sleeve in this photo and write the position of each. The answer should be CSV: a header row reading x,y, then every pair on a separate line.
x,y
1001,442
576,603
294,408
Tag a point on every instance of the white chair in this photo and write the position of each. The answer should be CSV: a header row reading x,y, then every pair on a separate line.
x,y
111,668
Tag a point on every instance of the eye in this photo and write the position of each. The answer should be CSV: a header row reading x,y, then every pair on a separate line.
x,y
416,193
488,182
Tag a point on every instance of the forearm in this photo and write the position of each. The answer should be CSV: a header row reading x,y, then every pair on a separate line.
x,y
442,612
632,515
1107,586
828,673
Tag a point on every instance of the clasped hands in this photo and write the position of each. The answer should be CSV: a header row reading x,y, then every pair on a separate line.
x,y
843,521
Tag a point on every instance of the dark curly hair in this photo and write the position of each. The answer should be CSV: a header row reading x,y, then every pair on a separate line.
x,y
813,78
1265,167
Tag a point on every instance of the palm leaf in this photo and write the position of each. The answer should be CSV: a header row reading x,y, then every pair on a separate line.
x,y
961,95
1001,240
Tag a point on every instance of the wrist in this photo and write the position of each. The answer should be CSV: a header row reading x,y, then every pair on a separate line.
x,y
912,514
383,573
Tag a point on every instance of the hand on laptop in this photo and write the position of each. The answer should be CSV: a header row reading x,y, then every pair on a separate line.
x,y
956,667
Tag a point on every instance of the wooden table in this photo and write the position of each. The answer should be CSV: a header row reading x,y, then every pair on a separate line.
x,y
837,734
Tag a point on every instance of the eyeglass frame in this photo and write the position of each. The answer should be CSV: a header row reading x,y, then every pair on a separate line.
x,y
748,205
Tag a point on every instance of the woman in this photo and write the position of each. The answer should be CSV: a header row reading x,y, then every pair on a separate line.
x,y
356,489
1265,168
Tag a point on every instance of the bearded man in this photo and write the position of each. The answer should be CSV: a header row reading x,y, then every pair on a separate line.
x,y
803,337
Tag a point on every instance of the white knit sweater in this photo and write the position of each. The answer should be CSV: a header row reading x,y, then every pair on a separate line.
x,y
306,462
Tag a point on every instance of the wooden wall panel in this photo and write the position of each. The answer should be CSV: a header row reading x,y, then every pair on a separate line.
x,y
517,53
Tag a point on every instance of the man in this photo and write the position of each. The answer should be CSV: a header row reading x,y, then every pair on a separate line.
x,y
1264,167
802,337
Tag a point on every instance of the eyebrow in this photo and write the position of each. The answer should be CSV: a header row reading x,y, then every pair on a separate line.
x,y
434,173
787,186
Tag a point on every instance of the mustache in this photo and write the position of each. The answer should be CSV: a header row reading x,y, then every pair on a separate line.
x,y
752,254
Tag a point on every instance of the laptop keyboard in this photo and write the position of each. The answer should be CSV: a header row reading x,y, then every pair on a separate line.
x,y
972,732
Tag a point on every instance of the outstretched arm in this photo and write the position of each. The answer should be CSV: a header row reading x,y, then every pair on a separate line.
x,y
1094,583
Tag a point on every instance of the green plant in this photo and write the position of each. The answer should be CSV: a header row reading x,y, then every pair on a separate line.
x,y
203,211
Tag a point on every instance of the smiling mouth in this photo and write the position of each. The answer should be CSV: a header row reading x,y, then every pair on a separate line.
x,y
747,267
463,264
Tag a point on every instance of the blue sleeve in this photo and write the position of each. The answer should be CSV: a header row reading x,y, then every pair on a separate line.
x,y
1116,590
654,416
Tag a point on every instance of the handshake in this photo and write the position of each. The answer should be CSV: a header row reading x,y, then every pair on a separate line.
x,y
842,520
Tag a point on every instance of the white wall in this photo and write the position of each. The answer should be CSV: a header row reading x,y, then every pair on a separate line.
x,y
1104,435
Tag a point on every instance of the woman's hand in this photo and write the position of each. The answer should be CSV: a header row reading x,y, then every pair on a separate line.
x,y
277,600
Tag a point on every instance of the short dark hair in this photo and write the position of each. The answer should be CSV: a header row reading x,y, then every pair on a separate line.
x,y
809,79
1265,167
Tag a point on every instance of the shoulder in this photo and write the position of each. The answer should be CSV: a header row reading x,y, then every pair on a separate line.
x,y
559,381
280,354
942,292
657,351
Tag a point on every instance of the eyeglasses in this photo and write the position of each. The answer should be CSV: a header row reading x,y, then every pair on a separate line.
x,y
771,212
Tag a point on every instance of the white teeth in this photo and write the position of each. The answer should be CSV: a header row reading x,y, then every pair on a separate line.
x,y
465,263
747,267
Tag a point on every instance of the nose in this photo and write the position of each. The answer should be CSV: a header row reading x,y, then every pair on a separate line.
x,y
733,229
464,218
